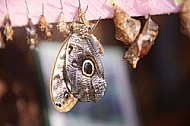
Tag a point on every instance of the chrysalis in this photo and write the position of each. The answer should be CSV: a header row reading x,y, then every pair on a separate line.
x,y
2,44
185,17
128,31
44,26
42,23
48,31
143,43
31,32
62,26
127,28
8,30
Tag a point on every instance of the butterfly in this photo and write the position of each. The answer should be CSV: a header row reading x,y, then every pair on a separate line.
x,y
78,73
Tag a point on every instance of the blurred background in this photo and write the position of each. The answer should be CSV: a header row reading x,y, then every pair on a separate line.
x,y
156,93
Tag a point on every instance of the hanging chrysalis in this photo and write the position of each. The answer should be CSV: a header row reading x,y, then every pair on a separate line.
x,y
8,30
44,26
2,44
78,73
185,17
31,32
62,26
128,31
127,28
48,32
42,23
142,43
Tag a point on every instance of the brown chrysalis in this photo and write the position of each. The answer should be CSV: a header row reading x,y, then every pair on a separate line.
x,y
8,30
44,26
31,32
2,44
42,23
62,26
142,43
185,17
128,31
127,28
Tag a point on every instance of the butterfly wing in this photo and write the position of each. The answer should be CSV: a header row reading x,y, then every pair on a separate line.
x,y
84,69
61,97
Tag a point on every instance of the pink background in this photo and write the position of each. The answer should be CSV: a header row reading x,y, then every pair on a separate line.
x,y
96,9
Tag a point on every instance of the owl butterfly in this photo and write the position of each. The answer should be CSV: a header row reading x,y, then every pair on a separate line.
x,y
142,43
185,17
78,73
8,30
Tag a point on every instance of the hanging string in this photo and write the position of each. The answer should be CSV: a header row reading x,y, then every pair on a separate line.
x,y
6,6
27,7
42,8
61,5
